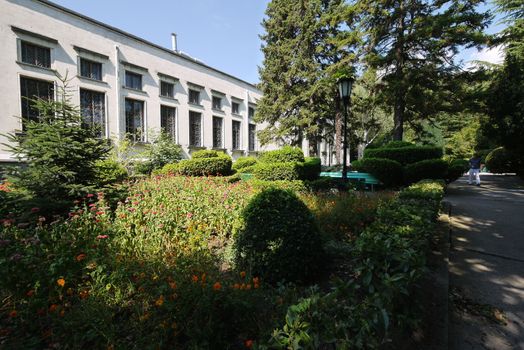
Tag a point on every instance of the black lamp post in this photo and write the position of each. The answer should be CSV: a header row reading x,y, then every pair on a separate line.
x,y
344,90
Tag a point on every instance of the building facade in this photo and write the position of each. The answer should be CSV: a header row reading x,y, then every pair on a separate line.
x,y
124,85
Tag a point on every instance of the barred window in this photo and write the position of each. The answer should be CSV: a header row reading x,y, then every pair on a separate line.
x,y
236,134
195,129
235,108
92,109
217,132
33,89
217,102
167,89
90,69
252,136
133,80
194,96
135,127
36,55
168,121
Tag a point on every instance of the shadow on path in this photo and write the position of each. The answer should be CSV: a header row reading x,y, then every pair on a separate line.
x,y
487,264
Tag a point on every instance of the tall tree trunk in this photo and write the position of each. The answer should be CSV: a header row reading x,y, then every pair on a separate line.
x,y
338,137
400,89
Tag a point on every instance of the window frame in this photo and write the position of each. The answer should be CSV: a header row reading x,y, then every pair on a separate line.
x,y
252,137
194,91
142,136
172,89
193,115
24,42
220,144
133,73
103,131
236,138
173,134
24,100
217,107
233,110
81,60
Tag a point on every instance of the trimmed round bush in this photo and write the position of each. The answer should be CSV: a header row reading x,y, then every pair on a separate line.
x,y
244,162
405,155
499,161
109,171
426,169
280,239
247,170
388,171
456,168
311,168
214,166
284,155
206,153
278,171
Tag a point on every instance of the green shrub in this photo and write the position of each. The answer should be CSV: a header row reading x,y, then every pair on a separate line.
x,y
500,161
398,144
425,169
280,239
388,171
247,170
288,185
215,166
206,153
425,189
327,183
311,168
405,155
109,171
278,171
284,155
456,168
244,162
168,169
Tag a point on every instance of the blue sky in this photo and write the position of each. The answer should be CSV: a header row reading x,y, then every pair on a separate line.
x,y
222,33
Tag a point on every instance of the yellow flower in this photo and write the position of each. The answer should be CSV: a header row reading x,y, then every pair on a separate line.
x,y
61,282
160,301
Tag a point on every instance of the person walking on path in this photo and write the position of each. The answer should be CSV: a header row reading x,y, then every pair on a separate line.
x,y
474,169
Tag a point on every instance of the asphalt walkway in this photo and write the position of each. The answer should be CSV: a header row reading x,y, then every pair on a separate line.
x,y
486,267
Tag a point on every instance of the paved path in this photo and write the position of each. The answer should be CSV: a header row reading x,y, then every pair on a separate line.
x,y
487,263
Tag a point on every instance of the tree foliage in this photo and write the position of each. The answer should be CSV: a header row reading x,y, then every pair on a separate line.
x,y
59,153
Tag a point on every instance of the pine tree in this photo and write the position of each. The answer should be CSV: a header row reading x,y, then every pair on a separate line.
x,y
301,51
414,44
57,150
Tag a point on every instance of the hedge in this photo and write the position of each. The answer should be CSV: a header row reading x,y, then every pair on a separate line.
x,y
311,169
215,166
405,155
244,162
456,168
278,171
398,144
389,260
388,171
425,169
206,153
168,169
284,155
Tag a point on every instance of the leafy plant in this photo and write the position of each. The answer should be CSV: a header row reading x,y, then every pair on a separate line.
x,y
425,169
406,154
388,171
205,166
284,155
501,161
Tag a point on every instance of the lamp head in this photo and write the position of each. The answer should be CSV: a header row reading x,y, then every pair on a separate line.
x,y
344,88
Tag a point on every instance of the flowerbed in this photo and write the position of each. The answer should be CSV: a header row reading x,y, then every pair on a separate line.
x,y
158,272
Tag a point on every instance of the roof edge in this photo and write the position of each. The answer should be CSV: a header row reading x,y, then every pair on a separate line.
x,y
141,40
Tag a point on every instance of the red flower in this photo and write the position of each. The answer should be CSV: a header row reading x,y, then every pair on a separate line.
x,y
35,210
90,195
248,343
102,236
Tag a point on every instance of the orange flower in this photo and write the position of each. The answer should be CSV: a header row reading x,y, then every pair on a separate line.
x,y
248,286
195,278
203,278
61,282
160,301
53,307
62,313
248,343
80,257
256,285
236,286
30,293
83,294
13,314
243,274
172,285
256,280
243,286
217,286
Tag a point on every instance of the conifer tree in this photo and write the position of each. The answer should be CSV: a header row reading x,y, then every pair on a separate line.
x,y
57,150
414,44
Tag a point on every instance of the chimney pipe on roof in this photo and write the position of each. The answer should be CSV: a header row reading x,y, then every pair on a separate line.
x,y
173,42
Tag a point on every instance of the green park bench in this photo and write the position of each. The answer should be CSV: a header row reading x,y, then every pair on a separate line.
x,y
365,178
